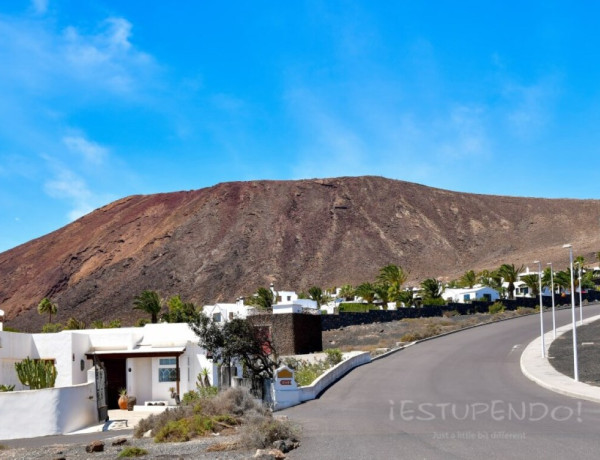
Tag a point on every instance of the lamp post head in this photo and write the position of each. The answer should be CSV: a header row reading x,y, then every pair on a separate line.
x,y
567,246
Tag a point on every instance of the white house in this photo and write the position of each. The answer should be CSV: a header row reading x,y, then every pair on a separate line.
x,y
223,312
464,295
146,361
522,290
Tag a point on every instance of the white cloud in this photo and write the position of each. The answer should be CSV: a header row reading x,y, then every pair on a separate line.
x,y
68,186
91,151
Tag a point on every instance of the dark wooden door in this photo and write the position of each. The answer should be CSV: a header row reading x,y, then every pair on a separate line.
x,y
116,379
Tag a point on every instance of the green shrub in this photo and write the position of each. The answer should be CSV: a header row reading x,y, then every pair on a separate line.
x,y
437,302
133,452
4,388
174,431
334,356
51,327
496,307
356,307
525,311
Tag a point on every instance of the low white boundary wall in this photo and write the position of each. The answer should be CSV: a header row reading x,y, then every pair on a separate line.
x,y
31,413
288,398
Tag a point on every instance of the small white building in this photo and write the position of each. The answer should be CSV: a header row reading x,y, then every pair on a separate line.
x,y
296,306
465,295
223,312
1,318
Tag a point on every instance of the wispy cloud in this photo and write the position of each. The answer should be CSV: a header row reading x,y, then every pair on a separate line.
x,y
65,184
530,106
91,151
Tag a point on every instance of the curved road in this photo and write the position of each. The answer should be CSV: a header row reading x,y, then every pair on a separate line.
x,y
461,396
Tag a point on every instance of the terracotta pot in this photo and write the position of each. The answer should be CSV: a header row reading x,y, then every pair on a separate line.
x,y
123,402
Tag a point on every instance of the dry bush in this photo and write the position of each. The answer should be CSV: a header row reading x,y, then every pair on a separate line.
x,y
260,432
156,421
235,401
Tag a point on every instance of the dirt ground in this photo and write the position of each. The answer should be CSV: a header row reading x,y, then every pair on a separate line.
x,y
377,337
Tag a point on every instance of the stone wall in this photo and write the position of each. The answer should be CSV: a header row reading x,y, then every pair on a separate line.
x,y
329,322
292,333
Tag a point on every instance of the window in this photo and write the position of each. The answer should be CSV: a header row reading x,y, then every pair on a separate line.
x,y
217,317
167,374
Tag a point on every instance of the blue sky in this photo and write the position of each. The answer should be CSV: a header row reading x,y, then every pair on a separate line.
x,y
103,99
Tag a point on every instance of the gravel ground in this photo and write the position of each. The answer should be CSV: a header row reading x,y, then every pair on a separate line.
x,y
192,449
588,353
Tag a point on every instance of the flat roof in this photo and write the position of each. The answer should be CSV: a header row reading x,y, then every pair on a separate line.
x,y
140,352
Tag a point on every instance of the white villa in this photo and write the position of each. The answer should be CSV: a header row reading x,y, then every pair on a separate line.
x,y
465,295
146,361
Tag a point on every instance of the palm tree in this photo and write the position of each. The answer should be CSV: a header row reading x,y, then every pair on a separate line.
x,y
510,274
432,289
149,302
347,292
491,279
263,299
47,306
367,292
533,282
562,279
468,279
382,290
395,277
316,294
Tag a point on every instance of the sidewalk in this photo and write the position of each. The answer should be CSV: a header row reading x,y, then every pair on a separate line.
x,y
544,374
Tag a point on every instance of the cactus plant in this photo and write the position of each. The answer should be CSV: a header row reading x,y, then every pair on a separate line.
x,y
36,374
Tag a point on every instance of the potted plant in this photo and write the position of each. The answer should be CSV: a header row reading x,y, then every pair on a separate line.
x,y
123,400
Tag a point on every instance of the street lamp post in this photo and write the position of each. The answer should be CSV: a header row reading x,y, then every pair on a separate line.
x,y
580,302
575,365
541,308
552,293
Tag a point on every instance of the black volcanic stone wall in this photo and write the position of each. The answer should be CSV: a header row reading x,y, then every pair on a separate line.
x,y
344,319
292,333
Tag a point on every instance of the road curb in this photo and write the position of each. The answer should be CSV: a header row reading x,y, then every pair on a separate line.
x,y
540,371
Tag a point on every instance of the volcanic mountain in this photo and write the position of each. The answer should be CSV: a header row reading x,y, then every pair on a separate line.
x,y
221,242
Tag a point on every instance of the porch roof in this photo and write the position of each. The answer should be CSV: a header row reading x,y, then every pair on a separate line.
x,y
139,352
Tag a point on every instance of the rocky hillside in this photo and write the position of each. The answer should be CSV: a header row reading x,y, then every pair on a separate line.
x,y
218,243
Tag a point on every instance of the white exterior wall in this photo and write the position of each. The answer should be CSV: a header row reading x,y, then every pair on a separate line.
x,y
14,347
227,311
48,411
139,379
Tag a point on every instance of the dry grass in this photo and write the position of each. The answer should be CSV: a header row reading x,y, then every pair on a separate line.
x,y
370,337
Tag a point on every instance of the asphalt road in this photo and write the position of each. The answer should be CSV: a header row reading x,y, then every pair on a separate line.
x,y
461,396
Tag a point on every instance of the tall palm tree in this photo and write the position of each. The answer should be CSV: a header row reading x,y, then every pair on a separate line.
x,y
532,281
316,294
367,292
46,306
395,277
510,274
382,290
469,279
149,302
432,289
